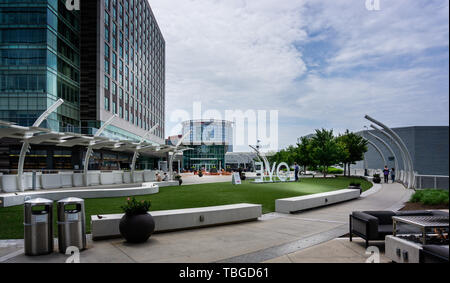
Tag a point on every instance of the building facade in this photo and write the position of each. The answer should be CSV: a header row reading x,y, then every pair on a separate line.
x,y
428,146
107,58
210,140
122,68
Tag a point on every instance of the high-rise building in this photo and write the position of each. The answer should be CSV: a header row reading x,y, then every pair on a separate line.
x,y
122,68
39,62
106,58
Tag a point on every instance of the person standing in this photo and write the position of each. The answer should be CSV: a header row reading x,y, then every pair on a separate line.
x,y
296,171
393,175
386,174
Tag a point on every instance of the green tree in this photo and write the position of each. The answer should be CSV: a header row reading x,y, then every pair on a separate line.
x,y
355,146
326,151
304,152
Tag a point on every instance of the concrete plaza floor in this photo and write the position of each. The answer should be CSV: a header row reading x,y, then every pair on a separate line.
x,y
310,236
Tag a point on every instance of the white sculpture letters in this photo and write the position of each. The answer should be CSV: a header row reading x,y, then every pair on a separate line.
x,y
270,172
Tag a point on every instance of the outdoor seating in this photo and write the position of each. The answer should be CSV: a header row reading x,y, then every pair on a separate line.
x,y
434,254
376,225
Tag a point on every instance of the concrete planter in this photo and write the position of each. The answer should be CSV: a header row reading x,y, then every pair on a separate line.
x,y
127,177
93,178
66,180
149,176
118,177
106,178
9,183
77,180
51,181
139,177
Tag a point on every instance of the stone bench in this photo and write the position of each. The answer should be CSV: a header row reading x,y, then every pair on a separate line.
x,y
180,219
291,205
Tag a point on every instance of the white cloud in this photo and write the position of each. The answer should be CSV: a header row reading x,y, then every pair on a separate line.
x,y
241,54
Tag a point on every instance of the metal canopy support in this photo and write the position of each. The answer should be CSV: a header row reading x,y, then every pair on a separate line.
x,y
138,147
91,144
388,147
174,153
411,182
26,143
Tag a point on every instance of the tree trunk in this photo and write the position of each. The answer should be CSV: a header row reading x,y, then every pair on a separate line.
x,y
345,169
349,170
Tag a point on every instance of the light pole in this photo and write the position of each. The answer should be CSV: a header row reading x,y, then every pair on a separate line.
x,y
26,144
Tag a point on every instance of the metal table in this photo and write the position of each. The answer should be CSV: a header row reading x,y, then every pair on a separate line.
x,y
422,222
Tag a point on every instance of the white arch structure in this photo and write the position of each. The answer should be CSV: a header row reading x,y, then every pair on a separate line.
x,y
26,144
387,146
377,149
90,148
138,148
402,147
174,152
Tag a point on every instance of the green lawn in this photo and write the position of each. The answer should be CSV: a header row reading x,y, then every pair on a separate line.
x,y
11,219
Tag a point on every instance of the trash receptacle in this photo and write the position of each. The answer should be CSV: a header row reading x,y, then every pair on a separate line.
x,y
71,224
38,226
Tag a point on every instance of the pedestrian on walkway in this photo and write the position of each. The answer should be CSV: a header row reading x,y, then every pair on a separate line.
x,y
296,171
393,175
386,174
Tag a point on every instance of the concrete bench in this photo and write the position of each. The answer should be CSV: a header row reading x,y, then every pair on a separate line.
x,y
290,205
179,219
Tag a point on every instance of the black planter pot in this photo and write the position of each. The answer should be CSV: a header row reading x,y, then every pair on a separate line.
x,y
137,228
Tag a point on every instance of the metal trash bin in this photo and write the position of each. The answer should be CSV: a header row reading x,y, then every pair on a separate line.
x,y
38,226
71,224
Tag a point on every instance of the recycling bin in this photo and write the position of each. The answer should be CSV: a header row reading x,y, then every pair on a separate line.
x,y
38,226
71,224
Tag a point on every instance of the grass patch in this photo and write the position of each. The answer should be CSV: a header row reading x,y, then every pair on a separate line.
x,y
202,195
430,197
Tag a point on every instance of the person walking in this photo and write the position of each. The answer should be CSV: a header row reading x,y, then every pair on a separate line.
x,y
386,174
393,175
296,171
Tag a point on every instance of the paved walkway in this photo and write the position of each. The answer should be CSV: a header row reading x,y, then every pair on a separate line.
x,y
271,238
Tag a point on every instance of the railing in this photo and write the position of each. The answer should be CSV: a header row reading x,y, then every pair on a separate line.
x,y
432,182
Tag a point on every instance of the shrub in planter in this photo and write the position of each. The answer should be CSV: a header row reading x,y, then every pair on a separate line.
x,y
376,178
200,173
431,197
137,225
243,177
213,170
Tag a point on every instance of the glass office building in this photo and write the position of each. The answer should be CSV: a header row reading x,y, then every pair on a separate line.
x,y
210,140
39,62
107,58
122,68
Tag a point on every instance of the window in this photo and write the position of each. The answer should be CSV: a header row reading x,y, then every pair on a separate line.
x,y
106,50
107,66
106,103
106,82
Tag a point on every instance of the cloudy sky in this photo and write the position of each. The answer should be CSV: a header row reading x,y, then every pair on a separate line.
x,y
320,63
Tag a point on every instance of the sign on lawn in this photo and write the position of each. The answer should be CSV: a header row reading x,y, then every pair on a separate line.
x,y
236,180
